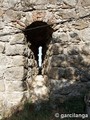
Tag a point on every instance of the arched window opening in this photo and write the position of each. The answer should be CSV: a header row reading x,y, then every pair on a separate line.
x,y
39,35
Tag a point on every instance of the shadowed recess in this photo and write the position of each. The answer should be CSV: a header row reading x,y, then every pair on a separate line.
x,y
38,34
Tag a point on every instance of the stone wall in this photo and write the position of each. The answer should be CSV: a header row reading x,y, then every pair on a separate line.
x,y
66,64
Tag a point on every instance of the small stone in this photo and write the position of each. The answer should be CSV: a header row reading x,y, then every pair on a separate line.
x,y
73,35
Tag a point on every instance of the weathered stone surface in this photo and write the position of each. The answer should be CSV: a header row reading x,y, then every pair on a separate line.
x,y
4,38
10,61
86,60
14,97
1,104
55,49
74,50
13,86
17,61
2,107
15,49
85,35
55,72
39,89
70,2
56,61
61,37
80,25
84,3
29,2
68,15
86,50
11,15
3,60
9,3
2,86
2,70
14,73
58,85
17,39
1,12
31,62
2,47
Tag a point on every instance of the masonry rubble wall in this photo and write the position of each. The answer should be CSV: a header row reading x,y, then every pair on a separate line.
x,y
67,60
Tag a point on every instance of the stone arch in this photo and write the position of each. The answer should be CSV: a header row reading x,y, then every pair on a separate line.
x,y
38,33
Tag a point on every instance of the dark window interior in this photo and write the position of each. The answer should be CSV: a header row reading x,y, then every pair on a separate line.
x,y
38,34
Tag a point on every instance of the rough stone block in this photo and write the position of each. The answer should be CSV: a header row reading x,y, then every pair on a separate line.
x,y
55,74
85,3
57,60
29,2
1,100
1,12
80,25
10,61
14,49
15,86
86,50
14,97
17,39
4,38
11,15
2,86
1,105
31,62
10,3
60,37
14,73
18,61
3,60
70,2
2,70
55,49
69,73
85,35
2,47
61,73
